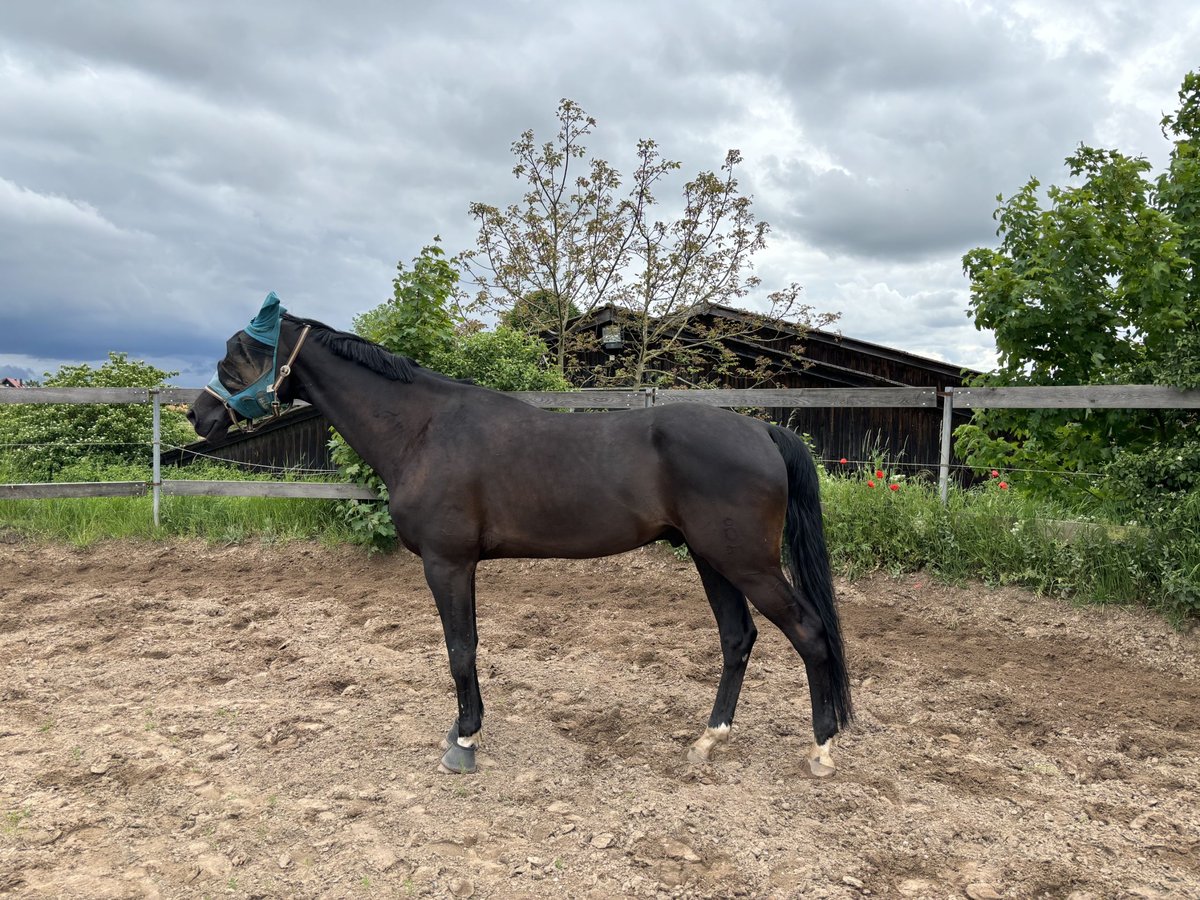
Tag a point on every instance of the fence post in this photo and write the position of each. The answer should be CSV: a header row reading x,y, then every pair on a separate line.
x,y
156,485
944,465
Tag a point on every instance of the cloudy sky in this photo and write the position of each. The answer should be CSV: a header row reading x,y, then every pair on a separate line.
x,y
164,165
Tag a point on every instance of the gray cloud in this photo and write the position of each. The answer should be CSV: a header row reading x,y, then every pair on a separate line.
x,y
165,165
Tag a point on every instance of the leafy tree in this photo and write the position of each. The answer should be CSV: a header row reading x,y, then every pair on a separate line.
x,y
504,360
417,321
537,313
42,440
1098,286
580,240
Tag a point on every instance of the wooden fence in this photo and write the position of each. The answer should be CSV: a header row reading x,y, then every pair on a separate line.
x,y
1085,397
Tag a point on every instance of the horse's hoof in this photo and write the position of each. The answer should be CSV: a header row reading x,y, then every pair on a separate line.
x,y
699,751
458,760
820,760
819,768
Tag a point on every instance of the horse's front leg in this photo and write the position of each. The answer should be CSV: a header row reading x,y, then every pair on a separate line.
x,y
453,586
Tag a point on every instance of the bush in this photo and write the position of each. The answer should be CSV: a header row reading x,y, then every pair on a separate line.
x,y
1004,535
41,440
504,360
418,322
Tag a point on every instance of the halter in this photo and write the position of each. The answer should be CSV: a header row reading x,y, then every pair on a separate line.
x,y
260,398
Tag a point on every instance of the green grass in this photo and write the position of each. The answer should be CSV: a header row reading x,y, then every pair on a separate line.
x,y
83,521
1008,537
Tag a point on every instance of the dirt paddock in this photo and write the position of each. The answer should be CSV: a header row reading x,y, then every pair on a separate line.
x,y
179,720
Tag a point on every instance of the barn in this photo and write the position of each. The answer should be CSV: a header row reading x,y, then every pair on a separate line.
x,y
812,358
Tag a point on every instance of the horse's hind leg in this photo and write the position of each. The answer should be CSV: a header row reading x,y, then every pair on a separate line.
x,y
737,639
453,587
788,609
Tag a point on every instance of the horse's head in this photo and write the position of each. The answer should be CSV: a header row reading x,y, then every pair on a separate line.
x,y
250,382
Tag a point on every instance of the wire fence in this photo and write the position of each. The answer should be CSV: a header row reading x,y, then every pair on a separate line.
x,y
954,467
257,467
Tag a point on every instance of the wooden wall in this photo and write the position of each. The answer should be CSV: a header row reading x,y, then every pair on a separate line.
x,y
297,439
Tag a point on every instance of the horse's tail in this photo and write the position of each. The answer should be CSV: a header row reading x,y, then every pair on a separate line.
x,y
808,559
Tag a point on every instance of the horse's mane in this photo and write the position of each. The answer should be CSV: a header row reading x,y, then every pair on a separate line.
x,y
360,350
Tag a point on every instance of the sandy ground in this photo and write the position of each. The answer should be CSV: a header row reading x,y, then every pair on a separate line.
x,y
179,720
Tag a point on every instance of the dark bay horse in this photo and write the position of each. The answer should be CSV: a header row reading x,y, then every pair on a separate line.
x,y
475,474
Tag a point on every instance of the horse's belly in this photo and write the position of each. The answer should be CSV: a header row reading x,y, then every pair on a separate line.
x,y
587,527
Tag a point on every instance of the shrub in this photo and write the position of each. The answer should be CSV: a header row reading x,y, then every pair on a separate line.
x,y
41,440
1009,536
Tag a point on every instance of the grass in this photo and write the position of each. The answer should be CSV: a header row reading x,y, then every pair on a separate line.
x,y
13,820
1004,536
225,520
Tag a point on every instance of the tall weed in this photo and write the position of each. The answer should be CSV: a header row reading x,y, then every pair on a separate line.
x,y
1004,536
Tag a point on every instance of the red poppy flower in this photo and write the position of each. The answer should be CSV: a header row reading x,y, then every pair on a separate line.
x,y
878,473
995,474
1004,485
870,484
843,460
893,487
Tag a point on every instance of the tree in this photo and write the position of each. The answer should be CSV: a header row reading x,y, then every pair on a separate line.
x,y
504,359
417,321
537,313
422,321
579,241
1098,286
44,440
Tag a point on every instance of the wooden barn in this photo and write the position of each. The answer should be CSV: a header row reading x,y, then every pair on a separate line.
x,y
814,359
811,359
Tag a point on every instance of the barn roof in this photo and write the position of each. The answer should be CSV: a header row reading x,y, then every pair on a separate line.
x,y
830,356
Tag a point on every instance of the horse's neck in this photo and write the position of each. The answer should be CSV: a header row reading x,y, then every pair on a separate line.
x,y
377,416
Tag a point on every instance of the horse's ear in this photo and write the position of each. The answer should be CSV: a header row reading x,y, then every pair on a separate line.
x,y
269,313
265,325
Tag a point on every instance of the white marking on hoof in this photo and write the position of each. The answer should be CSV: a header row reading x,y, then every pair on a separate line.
x,y
712,736
820,759
476,741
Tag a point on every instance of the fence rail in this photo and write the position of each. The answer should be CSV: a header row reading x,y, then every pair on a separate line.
x,y
316,490
1079,397
63,489
1089,396
758,398
809,398
76,395
1095,396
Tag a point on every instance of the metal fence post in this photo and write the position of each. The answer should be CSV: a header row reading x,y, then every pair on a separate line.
x,y
944,465
156,485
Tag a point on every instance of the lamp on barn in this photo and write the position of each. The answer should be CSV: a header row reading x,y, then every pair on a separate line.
x,y
611,340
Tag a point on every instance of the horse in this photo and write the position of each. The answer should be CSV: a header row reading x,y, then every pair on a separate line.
x,y
475,474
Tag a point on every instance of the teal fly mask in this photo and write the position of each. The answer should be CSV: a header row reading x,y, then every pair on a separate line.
x,y
259,398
